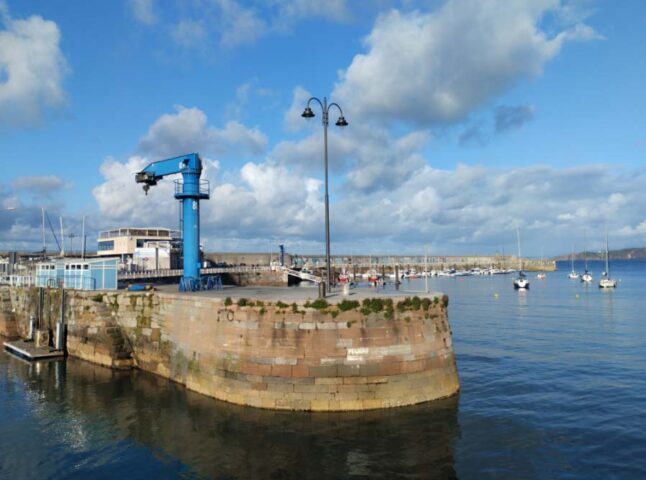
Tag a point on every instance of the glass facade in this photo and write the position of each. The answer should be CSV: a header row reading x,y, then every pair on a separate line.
x,y
106,245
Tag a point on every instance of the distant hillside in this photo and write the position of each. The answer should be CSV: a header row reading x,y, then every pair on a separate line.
x,y
623,254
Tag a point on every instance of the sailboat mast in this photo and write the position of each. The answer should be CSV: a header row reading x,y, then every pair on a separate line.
x,y
607,265
42,211
520,261
585,253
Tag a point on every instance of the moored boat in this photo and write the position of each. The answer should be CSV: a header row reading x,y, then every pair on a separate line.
x,y
606,281
520,282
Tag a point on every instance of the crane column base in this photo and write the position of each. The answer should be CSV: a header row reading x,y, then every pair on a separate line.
x,y
204,282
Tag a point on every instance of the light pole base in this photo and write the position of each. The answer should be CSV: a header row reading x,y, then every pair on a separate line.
x,y
322,291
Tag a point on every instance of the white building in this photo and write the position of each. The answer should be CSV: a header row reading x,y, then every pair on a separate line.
x,y
142,248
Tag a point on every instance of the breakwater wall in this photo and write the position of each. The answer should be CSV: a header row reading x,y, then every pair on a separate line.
x,y
352,356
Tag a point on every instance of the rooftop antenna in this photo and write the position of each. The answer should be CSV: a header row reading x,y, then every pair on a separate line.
x,y
42,210
426,268
83,240
71,236
62,238
51,227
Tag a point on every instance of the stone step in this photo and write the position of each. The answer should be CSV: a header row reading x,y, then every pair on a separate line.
x,y
115,335
123,364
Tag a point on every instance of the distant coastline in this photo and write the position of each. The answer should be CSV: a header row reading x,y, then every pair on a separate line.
x,y
623,254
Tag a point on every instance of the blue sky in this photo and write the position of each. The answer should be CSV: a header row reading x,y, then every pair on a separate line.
x,y
467,119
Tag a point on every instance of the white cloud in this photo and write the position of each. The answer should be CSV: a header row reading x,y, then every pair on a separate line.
x,y
264,201
187,130
32,68
143,11
369,155
121,199
473,209
383,193
332,9
384,163
43,184
238,25
436,67
233,23
188,33
292,117
464,210
236,135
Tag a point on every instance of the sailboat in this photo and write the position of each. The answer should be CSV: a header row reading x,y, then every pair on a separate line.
x,y
586,277
520,282
541,275
606,281
573,275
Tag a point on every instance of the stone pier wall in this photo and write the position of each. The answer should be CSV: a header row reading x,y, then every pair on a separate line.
x,y
267,355
265,279
8,324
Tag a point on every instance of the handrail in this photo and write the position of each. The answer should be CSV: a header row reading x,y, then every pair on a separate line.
x,y
204,187
178,272
18,280
303,275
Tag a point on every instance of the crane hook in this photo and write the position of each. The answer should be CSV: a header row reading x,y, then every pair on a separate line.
x,y
146,188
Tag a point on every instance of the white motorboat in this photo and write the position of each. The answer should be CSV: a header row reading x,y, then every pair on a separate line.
x,y
521,282
541,276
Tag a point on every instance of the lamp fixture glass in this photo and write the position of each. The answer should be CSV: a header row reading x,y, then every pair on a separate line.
x,y
341,122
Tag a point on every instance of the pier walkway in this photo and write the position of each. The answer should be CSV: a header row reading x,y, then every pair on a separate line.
x,y
176,273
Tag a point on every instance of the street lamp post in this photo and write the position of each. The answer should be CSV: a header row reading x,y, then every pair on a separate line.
x,y
341,122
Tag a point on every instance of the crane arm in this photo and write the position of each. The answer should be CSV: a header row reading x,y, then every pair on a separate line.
x,y
151,174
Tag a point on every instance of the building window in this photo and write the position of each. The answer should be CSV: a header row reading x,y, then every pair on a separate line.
x,y
106,245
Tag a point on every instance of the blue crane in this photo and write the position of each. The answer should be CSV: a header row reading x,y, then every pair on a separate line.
x,y
189,190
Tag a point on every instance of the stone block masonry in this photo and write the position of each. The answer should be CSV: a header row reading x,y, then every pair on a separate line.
x,y
267,354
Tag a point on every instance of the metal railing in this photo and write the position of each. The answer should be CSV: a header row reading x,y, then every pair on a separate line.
x,y
76,282
204,187
18,280
79,282
178,272
162,233
303,275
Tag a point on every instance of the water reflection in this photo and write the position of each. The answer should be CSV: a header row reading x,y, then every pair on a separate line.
x,y
215,439
607,303
522,298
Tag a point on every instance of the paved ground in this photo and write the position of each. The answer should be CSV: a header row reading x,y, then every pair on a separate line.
x,y
299,294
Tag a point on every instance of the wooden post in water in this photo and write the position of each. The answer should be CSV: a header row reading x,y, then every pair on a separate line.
x,y
397,282
60,326
41,306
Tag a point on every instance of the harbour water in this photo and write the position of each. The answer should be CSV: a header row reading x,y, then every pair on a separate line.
x,y
553,386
